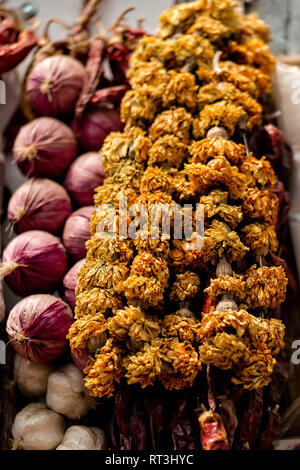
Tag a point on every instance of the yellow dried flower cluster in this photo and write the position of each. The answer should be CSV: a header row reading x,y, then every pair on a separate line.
x,y
197,87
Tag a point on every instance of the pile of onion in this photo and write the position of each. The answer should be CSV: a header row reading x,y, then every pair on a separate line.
x,y
54,84
39,204
84,175
70,281
77,232
45,147
95,127
33,262
37,327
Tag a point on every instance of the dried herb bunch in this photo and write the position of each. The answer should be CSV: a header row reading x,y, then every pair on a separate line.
x,y
197,89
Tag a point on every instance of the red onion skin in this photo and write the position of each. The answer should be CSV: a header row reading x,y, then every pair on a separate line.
x,y
77,232
42,263
84,175
44,321
95,127
45,147
61,77
70,281
39,204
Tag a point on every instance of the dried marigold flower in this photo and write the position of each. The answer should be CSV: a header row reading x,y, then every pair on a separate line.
x,y
97,273
265,287
140,106
155,179
221,113
253,52
254,26
182,188
259,173
189,50
209,28
218,172
261,205
185,364
145,290
111,194
244,77
168,150
148,48
93,301
133,323
179,16
104,371
215,204
151,73
256,372
176,121
185,287
184,329
112,249
223,351
157,246
260,238
127,174
85,329
144,366
203,150
215,92
180,89
226,285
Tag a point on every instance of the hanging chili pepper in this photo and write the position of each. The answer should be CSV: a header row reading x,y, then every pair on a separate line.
x,y
118,56
113,94
155,407
114,433
8,31
228,414
12,54
250,422
211,394
271,429
284,204
207,300
213,433
182,434
123,413
138,426
93,73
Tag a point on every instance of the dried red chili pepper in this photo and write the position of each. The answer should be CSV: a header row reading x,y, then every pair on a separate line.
x,y
8,31
138,426
12,54
93,73
274,260
250,422
123,414
89,9
207,300
271,429
155,409
213,433
112,94
284,204
114,433
118,56
228,414
182,434
179,408
211,393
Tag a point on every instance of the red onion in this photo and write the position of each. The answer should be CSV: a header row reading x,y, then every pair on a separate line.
x,y
70,281
95,126
54,84
33,262
77,232
84,175
44,147
37,327
39,204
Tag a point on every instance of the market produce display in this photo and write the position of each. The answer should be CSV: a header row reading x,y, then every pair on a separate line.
x,y
180,337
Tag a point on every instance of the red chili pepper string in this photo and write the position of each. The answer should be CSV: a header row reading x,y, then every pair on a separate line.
x,y
271,429
12,54
250,422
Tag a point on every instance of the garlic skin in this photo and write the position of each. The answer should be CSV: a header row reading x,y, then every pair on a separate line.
x,y
37,428
31,377
66,393
83,438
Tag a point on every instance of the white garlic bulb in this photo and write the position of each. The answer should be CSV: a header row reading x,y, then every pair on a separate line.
x,y
66,393
83,438
31,377
37,428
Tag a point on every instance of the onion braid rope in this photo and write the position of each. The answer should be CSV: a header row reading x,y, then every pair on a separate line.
x,y
196,88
